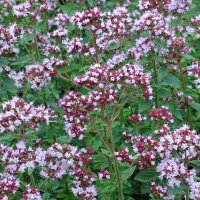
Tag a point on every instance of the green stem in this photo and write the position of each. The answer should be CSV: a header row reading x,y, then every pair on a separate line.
x,y
103,109
182,77
115,115
69,79
103,141
33,180
156,82
36,47
187,195
128,170
28,51
183,81
44,182
96,47
119,180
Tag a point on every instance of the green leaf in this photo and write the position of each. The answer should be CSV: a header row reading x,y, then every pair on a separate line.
x,y
164,92
8,137
171,81
64,139
46,196
196,106
162,73
113,46
178,190
54,106
144,106
3,62
22,60
146,176
30,171
2,91
70,8
178,115
28,37
55,185
55,93
128,173
145,187
84,68
106,152
91,2
97,143
195,162
157,57
9,86
189,57
109,189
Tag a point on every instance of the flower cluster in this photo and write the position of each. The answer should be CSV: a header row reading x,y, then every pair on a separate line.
x,y
159,191
86,18
96,75
151,21
155,19
134,75
103,174
76,108
176,149
174,6
136,118
53,163
31,9
164,129
75,45
116,60
8,185
174,171
18,112
59,33
83,183
8,37
144,149
142,47
179,6
107,83
48,48
183,140
161,114
101,98
61,19
195,190
123,156
57,159
113,27
196,21
194,71
31,193
37,75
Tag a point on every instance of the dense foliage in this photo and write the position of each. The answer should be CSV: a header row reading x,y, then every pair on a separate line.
x,y
99,99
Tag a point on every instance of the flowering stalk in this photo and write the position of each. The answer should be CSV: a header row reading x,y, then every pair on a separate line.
x,y
119,180
36,47
156,82
96,48
33,180
116,114
183,81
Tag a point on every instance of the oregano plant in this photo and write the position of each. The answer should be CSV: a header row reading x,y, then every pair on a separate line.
x,y
99,99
